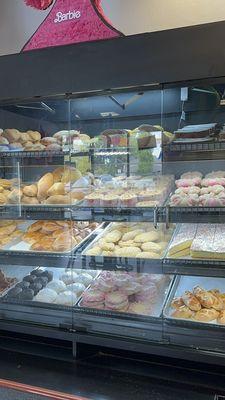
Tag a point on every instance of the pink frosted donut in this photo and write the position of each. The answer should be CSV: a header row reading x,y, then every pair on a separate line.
x,y
216,189
184,201
187,182
193,199
122,280
221,181
221,197
131,288
191,175
147,293
158,279
144,278
211,181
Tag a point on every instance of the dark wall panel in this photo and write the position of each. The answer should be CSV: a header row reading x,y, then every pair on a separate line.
x,y
168,56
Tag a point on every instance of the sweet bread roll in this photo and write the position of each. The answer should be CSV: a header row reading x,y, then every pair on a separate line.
x,y
17,234
147,237
70,175
34,136
129,243
191,301
3,199
58,232
206,298
30,190
131,235
128,251
218,303
1,189
64,242
8,230
12,135
29,200
5,183
44,185
49,227
24,137
43,245
33,237
15,196
206,315
183,312
58,199
36,226
177,302
56,189
106,245
113,236
151,246
57,174
221,318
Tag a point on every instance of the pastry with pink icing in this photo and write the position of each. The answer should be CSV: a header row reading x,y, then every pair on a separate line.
x,y
148,293
205,190
193,190
182,190
116,301
213,181
212,202
93,299
188,182
131,288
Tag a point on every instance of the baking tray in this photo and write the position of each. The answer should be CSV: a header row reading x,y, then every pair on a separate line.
x,y
132,260
183,283
39,304
158,306
20,246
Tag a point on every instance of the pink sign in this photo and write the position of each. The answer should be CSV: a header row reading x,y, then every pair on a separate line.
x,y
70,21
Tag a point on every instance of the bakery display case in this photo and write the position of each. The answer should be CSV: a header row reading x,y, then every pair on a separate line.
x,y
112,219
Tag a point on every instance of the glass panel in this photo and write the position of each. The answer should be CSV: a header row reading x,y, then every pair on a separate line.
x,y
35,226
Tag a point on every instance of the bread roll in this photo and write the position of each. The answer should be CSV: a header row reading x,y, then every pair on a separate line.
x,y
48,140
221,318
44,244
206,298
6,222
147,237
183,312
28,145
1,189
36,226
34,136
77,195
5,183
151,246
56,188
58,199
37,147
57,174
131,235
113,236
29,200
30,190
191,301
24,137
64,242
49,227
3,199
147,254
12,135
15,196
44,185
3,140
8,230
54,147
71,175
206,315
177,302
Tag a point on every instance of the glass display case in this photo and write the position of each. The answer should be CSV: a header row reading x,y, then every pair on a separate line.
x,y
112,218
